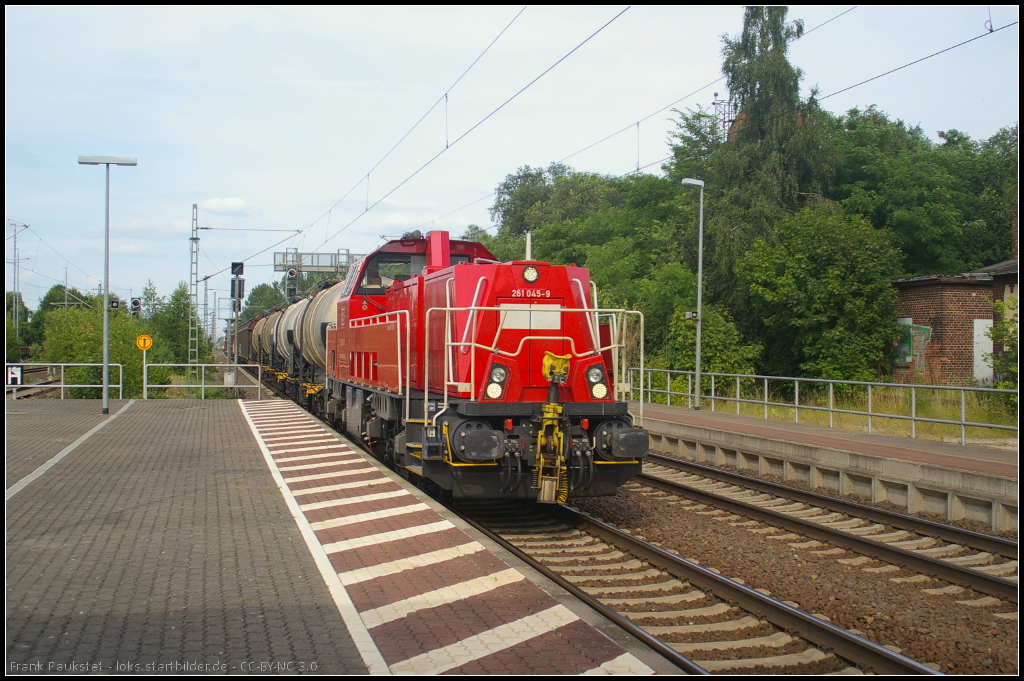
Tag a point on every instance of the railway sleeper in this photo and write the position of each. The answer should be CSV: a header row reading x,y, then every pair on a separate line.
x,y
776,640
673,599
809,656
747,622
627,577
640,588
552,561
544,552
708,611
633,564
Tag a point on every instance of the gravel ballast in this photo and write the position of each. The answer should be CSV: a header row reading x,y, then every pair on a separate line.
x,y
931,628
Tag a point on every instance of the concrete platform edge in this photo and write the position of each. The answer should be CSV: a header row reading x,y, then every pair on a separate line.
x,y
955,493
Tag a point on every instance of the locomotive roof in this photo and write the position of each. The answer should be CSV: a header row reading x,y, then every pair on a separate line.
x,y
471,248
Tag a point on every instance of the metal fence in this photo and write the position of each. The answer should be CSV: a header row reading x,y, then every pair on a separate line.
x,y
225,377
731,388
56,379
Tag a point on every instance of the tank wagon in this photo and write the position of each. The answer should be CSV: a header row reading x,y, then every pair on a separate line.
x,y
476,378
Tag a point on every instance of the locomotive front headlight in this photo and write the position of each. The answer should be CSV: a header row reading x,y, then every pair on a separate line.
x,y
599,391
494,391
531,274
499,374
594,374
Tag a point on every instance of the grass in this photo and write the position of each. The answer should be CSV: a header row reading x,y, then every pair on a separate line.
x,y
886,402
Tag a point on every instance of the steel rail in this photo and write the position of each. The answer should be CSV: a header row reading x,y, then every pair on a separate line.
x,y
844,644
954,535
653,642
950,572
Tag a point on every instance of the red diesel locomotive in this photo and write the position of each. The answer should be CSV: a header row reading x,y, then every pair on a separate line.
x,y
477,378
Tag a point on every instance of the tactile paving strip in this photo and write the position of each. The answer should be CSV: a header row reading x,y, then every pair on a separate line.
x,y
420,596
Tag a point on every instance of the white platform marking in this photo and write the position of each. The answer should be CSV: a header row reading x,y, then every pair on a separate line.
x,y
321,476
432,599
342,448
311,457
372,515
383,537
317,505
411,563
368,484
621,665
318,464
486,643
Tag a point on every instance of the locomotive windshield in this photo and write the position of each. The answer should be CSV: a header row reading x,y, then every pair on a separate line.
x,y
384,269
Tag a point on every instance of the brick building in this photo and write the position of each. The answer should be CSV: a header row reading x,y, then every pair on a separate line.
x,y
945,317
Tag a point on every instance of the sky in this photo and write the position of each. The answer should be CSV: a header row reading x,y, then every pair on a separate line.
x,y
266,118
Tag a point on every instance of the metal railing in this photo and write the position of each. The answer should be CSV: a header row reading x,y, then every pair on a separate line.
x,y
60,379
762,396
616,346
229,381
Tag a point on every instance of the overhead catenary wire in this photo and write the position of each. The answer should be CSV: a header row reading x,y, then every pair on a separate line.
x,y
636,124
442,98
863,82
477,124
682,99
987,33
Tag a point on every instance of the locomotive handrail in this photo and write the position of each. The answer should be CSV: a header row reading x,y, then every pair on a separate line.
x,y
447,380
472,315
372,321
590,322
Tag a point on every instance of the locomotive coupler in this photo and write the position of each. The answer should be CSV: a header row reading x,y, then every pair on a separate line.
x,y
552,479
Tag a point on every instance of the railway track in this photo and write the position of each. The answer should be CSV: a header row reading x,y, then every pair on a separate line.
x,y
981,562
31,389
697,619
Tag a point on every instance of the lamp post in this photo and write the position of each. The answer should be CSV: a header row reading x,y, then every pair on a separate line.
x,y
106,161
700,279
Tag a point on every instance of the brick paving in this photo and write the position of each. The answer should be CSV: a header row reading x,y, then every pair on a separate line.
x,y
432,599
962,457
161,539
39,429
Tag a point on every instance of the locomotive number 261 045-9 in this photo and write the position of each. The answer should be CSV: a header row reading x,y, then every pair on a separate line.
x,y
531,293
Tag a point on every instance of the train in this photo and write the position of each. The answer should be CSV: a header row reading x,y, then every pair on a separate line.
x,y
476,379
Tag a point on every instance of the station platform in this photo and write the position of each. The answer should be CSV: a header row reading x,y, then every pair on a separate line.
x,y
959,481
221,536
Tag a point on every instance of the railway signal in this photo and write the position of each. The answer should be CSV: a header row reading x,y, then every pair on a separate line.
x,y
136,306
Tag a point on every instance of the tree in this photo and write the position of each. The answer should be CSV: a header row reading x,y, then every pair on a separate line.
x,y
763,85
825,292
78,337
170,326
151,302
52,304
721,346
1004,334
12,340
520,192
16,302
262,298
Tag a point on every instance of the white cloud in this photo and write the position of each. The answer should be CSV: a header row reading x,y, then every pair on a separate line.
x,y
232,206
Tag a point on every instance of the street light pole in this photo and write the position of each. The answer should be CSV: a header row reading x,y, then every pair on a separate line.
x,y
700,280
106,161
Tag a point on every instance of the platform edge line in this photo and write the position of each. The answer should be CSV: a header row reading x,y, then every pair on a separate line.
x,y
52,461
368,650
